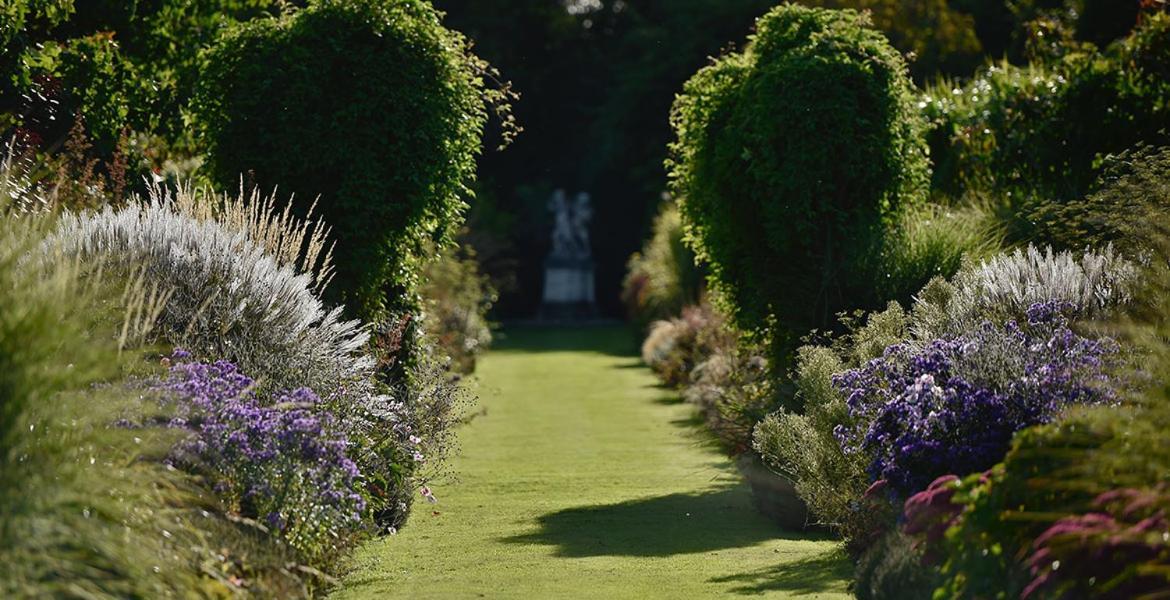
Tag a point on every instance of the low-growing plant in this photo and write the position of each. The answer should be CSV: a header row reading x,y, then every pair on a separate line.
x,y
1005,286
280,459
893,568
803,446
734,391
675,347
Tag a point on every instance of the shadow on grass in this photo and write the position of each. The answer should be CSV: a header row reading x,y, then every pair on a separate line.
x,y
610,340
814,575
717,519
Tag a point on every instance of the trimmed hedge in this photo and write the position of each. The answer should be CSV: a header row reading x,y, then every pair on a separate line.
x,y
792,159
374,107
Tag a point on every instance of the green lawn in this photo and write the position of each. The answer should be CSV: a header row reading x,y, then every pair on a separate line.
x,y
584,479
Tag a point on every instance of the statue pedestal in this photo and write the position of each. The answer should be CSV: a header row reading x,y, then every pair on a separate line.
x,y
568,289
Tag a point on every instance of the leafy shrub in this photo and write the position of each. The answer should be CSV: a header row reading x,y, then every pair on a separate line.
x,y
87,509
1006,286
1036,134
733,390
280,460
379,110
952,405
675,347
762,139
1133,182
833,484
662,278
226,296
1095,554
456,301
893,568
938,38
930,241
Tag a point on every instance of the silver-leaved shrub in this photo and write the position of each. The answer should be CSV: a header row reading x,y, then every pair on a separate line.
x,y
227,297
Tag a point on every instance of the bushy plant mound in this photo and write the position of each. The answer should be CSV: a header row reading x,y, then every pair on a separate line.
x,y
662,278
733,390
372,106
792,158
942,388
952,405
280,460
1088,285
226,297
675,347
1037,133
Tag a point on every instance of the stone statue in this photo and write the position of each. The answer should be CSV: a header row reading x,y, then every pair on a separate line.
x,y
563,235
582,214
568,271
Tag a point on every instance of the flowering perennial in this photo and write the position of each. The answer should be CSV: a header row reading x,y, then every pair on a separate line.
x,y
952,405
280,462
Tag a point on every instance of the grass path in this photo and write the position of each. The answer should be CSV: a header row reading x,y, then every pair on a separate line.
x,y
583,479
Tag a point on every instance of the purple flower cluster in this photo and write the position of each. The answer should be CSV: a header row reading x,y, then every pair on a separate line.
x,y
952,405
279,461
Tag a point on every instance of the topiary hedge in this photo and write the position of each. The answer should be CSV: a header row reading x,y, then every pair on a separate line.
x,y
371,105
791,160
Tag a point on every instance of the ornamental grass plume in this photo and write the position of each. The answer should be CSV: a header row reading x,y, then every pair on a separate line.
x,y
229,298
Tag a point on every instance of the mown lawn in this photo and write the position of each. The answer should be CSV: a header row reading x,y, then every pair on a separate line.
x,y
581,478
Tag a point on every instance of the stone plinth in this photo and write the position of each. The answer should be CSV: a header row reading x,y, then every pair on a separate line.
x,y
568,288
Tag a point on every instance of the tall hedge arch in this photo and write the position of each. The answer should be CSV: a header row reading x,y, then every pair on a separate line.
x,y
372,106
792,158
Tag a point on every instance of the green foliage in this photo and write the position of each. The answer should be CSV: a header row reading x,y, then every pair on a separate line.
x,y
930,241
457,298
938,38
893,569
373,106
792,159
1039,134
663,277
116,65
96,76
1133,182
803,445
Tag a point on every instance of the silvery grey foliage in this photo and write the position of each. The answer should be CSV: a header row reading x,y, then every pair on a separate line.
x,y
228,298
1004,286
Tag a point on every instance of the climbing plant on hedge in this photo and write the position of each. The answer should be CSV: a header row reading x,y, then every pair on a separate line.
x,y
792,158
371,105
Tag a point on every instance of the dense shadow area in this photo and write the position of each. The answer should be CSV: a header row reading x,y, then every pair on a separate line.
x,y
815,575
608,339
708,521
